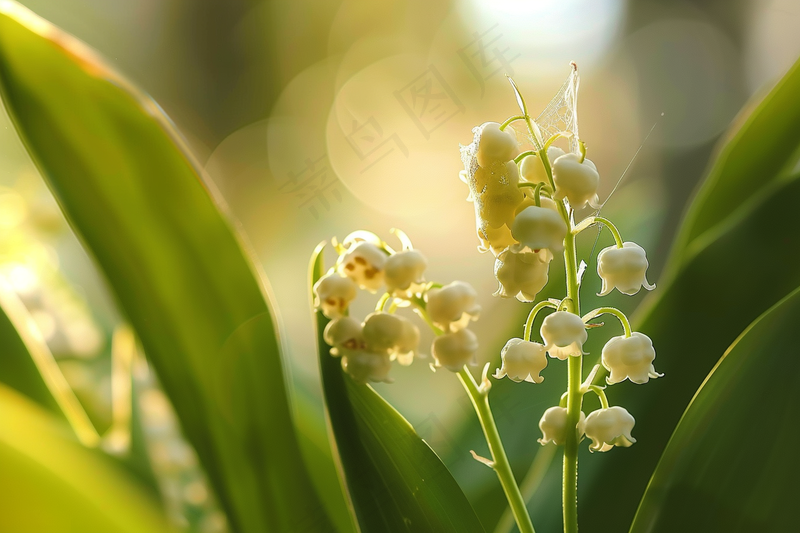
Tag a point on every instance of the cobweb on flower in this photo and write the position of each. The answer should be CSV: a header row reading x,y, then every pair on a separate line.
x,y
561,114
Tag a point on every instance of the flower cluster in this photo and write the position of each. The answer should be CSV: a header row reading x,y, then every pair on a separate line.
x,y
368,348
525,204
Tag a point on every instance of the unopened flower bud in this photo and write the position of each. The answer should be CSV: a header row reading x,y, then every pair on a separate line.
x,y
391,334
333,293
630,358
521,274
554,426
608,428
564,334
576,181
623,268
532,169
495,145
522,361
364,263
344,334
540,227
454,350
453,306
403,273
363,366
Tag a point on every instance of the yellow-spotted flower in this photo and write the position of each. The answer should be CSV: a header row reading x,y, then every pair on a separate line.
x,y
333,293
576,180
453,306
345,333
608,428
564,334
454,350
630,358
364,262
522,361
554,426
623,268
403,273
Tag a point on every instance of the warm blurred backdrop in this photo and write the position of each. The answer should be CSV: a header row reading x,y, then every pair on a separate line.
x,y
318,117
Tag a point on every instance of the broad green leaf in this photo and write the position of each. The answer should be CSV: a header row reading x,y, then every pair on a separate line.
x,y
731,464
760,146
396,483
51,483
135,196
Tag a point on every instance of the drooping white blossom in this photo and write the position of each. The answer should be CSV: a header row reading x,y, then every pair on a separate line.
x,y
608,428
364,263
554,426
453,306
522,361
540,227
495,145
630,358
576,181
333,293
391,334
403,273
345,333
564,334
454,350
532,169
521,274
363,366
623,268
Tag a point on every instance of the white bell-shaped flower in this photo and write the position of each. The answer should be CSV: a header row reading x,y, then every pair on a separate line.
x,y
576,181
608,428
623,268
403,273
453,306
363,366
564,334
391,334
522,361
521,274
540,227
364,263
495,240
630,358
333,293
532,169
554,426
454,350
495,145
344,334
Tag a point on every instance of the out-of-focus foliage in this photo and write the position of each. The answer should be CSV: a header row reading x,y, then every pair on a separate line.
x,y
74,488
135,196
730,465
395,480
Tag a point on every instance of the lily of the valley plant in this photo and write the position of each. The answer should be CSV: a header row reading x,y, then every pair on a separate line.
x,y
528,194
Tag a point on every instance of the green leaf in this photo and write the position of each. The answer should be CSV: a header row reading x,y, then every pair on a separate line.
x,y
731,464
134,194
759,151
396,483
51,483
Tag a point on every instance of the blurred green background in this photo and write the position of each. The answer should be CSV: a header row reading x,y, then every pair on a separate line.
x,y
317,118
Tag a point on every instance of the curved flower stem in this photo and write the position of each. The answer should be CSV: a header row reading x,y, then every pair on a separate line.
x,y
626,325
480,401
591,221
601,395
382,302
515,118
532,316
523,155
